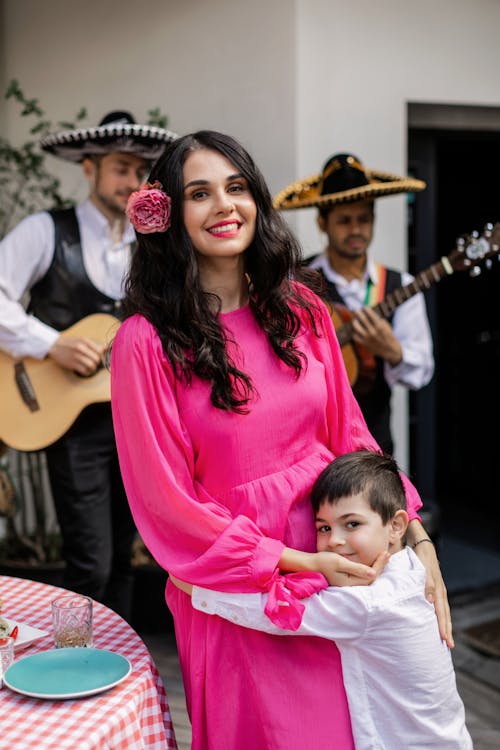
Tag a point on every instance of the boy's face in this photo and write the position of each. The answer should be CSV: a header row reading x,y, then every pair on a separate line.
x,y
352,529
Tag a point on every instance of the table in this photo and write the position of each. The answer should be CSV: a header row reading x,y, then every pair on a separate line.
x,y
134,715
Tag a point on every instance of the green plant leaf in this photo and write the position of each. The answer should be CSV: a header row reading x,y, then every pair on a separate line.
x,y
157,118
12,89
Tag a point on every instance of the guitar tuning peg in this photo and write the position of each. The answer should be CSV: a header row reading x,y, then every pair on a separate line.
x,y
488,228
476,271
488,263
460,243
475,234
477,248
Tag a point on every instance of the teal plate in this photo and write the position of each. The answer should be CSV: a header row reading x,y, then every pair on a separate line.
x,y
67,673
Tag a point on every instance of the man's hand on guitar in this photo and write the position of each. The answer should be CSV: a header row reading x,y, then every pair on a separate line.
x,y
82,355
375,334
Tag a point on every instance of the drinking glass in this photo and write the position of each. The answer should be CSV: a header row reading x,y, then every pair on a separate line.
x,y
72,620
6,655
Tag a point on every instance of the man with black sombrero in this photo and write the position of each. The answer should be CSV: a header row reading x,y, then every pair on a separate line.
x,y
396,349
72,263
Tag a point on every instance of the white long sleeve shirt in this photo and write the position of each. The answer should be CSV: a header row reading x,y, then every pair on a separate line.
x,y
410,325
25,257
398,674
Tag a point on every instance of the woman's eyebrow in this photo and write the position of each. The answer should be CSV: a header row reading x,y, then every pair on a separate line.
x,y
230,177
195,182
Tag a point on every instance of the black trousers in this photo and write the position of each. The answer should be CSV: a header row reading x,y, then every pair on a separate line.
x,y
92,510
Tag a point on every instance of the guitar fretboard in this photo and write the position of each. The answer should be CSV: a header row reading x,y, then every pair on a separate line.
x,y
422,281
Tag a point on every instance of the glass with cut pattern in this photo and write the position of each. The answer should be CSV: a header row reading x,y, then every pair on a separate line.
x,y
72,620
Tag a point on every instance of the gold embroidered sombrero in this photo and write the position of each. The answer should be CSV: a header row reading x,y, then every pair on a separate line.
x,y
117,132
343,179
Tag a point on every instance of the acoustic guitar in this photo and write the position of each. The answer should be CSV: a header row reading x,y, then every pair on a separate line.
x,y
468,255
39,400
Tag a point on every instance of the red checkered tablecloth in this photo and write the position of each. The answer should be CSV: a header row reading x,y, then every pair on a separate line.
x,y
131,716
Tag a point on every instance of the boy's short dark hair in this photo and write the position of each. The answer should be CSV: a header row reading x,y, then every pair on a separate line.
x,y
365,472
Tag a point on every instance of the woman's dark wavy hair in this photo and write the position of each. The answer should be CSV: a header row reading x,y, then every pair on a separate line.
x,y
164,286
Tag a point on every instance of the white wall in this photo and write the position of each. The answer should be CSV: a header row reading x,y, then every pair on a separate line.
x,y
360,63
294,80
220,64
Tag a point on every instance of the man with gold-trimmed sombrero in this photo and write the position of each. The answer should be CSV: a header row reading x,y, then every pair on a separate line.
x,y
72,263
396,349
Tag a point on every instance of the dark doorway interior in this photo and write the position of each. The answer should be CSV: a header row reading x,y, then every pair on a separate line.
x,y
454,421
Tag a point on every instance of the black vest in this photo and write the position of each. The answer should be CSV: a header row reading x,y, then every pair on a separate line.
x,y
65,295
375,405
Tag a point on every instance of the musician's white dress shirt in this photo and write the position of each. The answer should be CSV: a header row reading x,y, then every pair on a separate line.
x,y
409,324
25,257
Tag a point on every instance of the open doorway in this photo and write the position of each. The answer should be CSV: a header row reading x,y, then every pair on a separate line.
x,y
454,421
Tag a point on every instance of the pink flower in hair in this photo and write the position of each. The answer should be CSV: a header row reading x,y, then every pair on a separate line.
x,y
149,209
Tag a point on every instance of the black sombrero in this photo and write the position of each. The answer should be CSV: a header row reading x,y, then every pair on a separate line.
x,y
117,132
343,179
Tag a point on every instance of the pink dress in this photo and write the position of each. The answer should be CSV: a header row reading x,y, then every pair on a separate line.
x,y
215,496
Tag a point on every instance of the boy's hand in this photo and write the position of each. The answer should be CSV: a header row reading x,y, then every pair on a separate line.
x,y
339,571
186,587
380,562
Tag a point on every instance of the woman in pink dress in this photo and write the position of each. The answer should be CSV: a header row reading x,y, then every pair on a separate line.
x,y
229,397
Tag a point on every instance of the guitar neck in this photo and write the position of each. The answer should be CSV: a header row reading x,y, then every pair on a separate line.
x,y
422,281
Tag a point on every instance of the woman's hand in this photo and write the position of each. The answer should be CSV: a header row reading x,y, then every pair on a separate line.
x,y
186,587
435,589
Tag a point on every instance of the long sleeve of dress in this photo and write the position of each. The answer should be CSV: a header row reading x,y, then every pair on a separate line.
x,y
348,430
188,532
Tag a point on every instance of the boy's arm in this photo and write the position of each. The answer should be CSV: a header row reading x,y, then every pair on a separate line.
x,y
335,613
247,607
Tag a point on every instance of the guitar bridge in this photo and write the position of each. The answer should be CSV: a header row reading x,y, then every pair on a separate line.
x,y
25,387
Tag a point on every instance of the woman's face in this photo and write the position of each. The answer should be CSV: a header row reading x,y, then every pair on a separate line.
x,y
219,210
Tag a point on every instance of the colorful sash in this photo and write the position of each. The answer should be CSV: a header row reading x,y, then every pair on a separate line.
x,y
375,293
